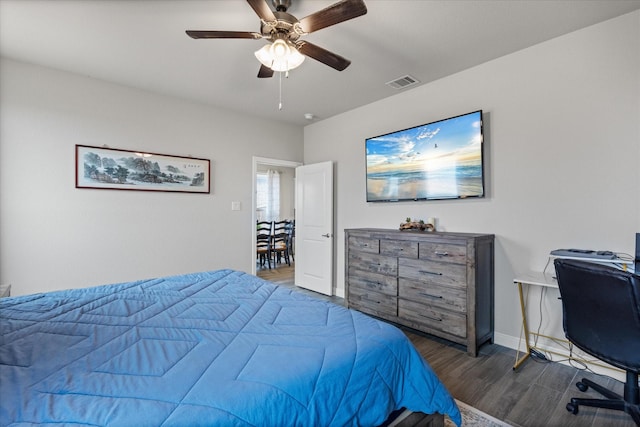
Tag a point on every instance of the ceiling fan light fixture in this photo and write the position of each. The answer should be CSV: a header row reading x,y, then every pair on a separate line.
x,y
280,55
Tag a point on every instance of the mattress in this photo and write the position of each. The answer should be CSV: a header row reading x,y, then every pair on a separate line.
x,y
220,348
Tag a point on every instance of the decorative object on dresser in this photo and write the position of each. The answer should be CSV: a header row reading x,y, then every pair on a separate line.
x,y
417,225
438,283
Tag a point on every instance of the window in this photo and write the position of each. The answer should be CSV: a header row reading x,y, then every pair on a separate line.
x,y
268,195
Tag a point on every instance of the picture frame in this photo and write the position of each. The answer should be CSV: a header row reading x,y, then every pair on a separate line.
x,y
118,169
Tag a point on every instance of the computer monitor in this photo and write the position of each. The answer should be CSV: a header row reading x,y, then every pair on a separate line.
x,y
637,264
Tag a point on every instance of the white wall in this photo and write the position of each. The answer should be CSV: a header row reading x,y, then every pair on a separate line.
x,y
55,236
562,140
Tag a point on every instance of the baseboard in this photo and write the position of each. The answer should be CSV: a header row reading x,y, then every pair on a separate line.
x,y
515,344
506,340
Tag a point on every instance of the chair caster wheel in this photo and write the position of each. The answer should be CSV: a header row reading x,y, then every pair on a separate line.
x,y
582,386
572,408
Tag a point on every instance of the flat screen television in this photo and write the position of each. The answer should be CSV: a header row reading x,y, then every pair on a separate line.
x,y
434,161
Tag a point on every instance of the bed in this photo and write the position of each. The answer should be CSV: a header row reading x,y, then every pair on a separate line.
x,y
219,348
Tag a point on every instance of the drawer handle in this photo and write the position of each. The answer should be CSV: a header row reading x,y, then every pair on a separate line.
x,y
429,295
437,319
373,283
431,272
442,253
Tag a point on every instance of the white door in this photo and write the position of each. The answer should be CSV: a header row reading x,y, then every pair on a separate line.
x,y
314,227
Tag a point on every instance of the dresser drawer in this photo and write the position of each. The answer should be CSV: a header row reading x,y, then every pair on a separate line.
x,y
374,263
364,244
434,318
399,248
445,252
373,302
438,273
454,299
376,282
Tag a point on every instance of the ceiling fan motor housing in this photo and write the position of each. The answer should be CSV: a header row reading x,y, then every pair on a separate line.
x,y
281,5
286,26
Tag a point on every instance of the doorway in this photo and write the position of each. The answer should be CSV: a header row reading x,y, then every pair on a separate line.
x,y
286,170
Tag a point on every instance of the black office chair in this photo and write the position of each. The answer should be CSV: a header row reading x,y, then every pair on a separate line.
x,y
601,316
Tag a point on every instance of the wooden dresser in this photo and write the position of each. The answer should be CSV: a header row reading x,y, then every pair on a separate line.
x,y
438,283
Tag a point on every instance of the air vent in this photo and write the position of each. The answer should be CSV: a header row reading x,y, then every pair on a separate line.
x,y
403,82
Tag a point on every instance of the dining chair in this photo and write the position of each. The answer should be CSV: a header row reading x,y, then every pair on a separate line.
x,y
264,231
280,243
291,231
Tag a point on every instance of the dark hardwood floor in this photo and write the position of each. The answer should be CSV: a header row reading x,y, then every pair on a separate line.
x,y
533,396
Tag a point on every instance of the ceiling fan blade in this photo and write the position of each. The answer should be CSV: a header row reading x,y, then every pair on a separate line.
x,y
262,9
223,34
319,54
334,14
265,72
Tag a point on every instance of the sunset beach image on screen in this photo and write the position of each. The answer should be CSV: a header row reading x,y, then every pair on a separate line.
x,y
438,160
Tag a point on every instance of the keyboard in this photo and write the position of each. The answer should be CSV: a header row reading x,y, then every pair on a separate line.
x,y
583,253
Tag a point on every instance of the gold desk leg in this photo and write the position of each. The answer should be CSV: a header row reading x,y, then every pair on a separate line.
x,y
525,356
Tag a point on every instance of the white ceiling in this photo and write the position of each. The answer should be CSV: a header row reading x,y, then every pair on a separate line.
x,y
143,44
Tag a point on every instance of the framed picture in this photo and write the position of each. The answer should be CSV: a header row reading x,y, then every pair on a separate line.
x,y
108,168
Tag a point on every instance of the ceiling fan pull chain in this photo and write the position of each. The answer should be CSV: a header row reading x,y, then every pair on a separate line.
x,y
280,91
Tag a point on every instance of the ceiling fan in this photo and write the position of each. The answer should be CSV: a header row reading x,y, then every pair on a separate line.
x,y
283,30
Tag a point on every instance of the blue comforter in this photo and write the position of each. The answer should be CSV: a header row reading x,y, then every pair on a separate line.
x,y
221,348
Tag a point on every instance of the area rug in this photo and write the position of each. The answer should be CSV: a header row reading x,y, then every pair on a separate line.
x,y
471,417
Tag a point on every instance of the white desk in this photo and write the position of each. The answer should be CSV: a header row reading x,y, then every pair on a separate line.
x,y
533,279
547,280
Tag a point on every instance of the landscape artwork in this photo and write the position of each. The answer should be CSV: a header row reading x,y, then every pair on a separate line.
x,y
439,160
107,168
